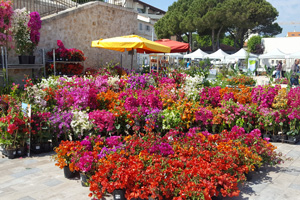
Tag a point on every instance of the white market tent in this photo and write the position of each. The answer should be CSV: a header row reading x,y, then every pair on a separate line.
x,y
196,54
173,55
295,55
241,54
220,54
274,54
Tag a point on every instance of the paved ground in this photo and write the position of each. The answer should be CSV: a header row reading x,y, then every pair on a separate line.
x,y
261,80
37,178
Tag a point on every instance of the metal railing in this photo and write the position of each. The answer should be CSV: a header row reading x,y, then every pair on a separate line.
x,y
48,7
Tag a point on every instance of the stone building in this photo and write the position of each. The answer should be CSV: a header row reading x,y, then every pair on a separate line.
x,y
76,25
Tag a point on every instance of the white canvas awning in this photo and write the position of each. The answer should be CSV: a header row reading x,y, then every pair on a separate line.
x,y
196,54
220,54
274,54
241,54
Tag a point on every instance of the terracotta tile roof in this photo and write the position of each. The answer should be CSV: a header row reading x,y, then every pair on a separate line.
x,y
293,34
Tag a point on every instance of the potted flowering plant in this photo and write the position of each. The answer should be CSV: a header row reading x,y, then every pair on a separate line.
x,y
77,55
26,34
8,136
64,155
6,12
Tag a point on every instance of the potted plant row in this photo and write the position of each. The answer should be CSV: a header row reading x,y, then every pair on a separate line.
x,y
64,54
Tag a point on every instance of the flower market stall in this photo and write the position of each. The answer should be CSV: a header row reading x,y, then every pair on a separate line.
x,y
65,61
143,134
159,61
196,54
129,43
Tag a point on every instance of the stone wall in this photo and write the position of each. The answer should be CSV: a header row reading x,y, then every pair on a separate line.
x,y
78,27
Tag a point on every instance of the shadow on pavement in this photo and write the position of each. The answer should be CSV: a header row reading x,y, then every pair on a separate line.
x,y
260,178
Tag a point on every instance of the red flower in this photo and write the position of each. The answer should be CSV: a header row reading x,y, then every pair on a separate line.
x,y
60,44
11,128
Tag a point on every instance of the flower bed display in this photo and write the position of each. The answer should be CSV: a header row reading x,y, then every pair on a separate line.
x,y
177,165
241,80
139,103
281,81
148,134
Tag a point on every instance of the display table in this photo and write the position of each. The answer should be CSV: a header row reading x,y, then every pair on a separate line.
x,y
158,62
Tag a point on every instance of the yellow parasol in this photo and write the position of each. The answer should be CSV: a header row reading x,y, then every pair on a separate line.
x,y
129,43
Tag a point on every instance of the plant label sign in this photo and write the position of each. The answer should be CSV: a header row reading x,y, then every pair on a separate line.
x,y
26,108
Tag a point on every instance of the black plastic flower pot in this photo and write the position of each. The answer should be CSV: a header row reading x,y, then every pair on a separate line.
x,y
46,147
68,173
292,139
21,151
275,138
36,148
249,176
11,153
119,195
84,180
26,60
31,60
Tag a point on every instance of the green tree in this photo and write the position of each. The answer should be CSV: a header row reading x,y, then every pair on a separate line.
x,y
269,31
173,22
250,16
199,41
254,44
209,15
239,18
228,40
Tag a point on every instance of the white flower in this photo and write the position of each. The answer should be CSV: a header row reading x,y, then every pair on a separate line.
x,y
113,81
192,86
80,122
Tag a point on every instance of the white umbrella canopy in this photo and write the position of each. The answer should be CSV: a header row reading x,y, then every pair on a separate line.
x,y
220,54
196,54
241,54
274,54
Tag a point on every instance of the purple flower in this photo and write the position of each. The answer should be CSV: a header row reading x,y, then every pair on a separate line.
x,y
87,144
35,25
164,149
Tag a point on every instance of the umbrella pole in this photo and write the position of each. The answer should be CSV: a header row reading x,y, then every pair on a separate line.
x,y
132,60
121,60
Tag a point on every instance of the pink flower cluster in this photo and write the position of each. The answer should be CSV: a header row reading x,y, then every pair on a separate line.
x,y
6,12
204,116
139,101
264,96
210,95
103,120
163,149
35,24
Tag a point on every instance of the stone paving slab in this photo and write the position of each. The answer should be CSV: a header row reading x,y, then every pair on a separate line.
x,y
37,178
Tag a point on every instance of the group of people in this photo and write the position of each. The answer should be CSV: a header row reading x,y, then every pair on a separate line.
x,y
281,70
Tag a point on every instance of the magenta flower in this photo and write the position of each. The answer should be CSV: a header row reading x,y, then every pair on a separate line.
x,y
35,25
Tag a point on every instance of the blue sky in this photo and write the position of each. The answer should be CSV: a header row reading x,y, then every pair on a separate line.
x,y
289,11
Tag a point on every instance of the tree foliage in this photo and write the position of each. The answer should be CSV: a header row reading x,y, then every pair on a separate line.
x,y
173,22
254,44
237,18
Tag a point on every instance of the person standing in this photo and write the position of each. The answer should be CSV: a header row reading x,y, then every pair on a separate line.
x,y
279,69
294,71
283,69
